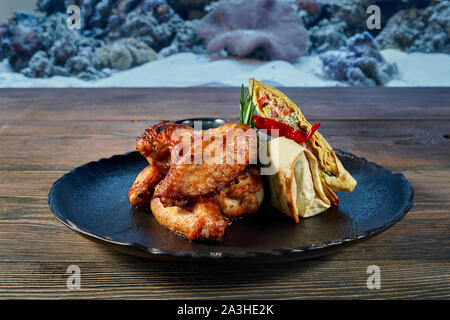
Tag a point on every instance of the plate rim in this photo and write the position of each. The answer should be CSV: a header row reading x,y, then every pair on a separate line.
x,y
234,255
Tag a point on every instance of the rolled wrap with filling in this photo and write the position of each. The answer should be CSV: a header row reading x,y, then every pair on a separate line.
x,y
272,103
295,187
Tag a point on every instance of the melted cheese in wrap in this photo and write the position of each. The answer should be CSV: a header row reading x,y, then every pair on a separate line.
x,y
295,189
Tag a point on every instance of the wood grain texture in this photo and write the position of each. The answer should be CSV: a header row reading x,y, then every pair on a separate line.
x,y
46,132
160,103
139,279
396,144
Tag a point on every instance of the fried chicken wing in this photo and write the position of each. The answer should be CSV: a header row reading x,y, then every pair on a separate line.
x,y
215,159
140,193
243,196
197,178
157,143
201,219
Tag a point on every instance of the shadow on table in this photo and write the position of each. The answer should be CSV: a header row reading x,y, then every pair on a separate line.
x,y
231,276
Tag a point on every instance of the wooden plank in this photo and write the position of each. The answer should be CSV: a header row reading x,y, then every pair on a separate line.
x,y
140,279
13,102
50,145
30,232
2,126
171,103
41,138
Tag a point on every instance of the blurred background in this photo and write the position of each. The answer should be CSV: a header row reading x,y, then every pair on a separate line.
x,y
181,43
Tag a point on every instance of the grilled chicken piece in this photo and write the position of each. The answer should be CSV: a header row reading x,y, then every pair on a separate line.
x,y
205,218
200,189
158,143
243,196
140,193
200,219
215,159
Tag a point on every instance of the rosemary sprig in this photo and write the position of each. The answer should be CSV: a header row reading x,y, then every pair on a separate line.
x,y
247,107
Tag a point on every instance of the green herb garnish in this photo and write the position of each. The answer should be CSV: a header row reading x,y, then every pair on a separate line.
x,y
247,107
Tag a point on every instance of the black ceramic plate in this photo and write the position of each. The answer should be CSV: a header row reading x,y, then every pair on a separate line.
x,y
92,200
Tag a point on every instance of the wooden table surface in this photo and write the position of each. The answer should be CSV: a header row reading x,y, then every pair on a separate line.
x,y
46,132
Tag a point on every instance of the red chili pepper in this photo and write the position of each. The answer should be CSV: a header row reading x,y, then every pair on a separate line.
x,y
284,130
261,100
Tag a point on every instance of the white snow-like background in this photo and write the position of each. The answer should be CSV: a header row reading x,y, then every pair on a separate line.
x,y
188,69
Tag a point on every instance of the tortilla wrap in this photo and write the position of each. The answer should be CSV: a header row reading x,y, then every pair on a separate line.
x,y
295,188
333,175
